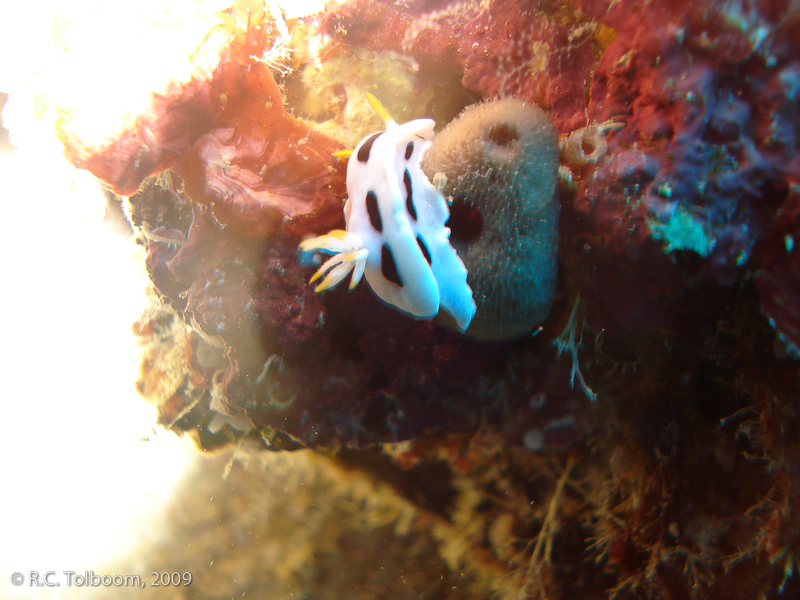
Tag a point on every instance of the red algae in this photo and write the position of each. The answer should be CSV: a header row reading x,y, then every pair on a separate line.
x,y
260,166
156,142
230,137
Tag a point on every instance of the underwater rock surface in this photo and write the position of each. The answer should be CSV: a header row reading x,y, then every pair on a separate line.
x,y
644,444
706,97
710,137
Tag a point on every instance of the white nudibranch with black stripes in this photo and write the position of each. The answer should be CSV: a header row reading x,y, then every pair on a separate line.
x,y
396,234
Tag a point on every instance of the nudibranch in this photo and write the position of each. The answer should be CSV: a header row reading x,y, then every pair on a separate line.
x,y
396,228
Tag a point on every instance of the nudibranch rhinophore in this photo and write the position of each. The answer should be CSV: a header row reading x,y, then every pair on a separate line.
x,y
396,234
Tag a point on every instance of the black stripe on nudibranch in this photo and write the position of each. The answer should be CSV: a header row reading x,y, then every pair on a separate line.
x,y
409,200
373,212
389,267
409,150
424,247
363,152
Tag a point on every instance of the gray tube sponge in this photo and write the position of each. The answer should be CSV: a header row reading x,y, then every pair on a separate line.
x,y
500,159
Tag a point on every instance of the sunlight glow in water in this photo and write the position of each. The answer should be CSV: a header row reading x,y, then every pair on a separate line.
x,y
81,488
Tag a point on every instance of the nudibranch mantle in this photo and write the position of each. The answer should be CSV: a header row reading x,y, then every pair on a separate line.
x,y
396,233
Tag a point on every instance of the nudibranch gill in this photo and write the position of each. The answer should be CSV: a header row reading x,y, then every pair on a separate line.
x,y
396,234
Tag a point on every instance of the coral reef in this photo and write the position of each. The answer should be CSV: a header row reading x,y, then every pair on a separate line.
x,y
262,351
697,104
670,471
341,369
500,161
541,52
700,170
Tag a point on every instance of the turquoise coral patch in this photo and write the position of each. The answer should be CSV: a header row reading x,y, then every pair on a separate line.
x,y
683,231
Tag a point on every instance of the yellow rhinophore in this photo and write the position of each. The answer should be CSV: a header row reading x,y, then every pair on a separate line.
x,y
381,110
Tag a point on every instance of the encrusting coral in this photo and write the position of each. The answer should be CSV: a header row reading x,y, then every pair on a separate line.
x,y
500,161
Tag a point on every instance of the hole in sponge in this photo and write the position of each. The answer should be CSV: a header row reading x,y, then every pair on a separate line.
x,y
503,134
465,222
